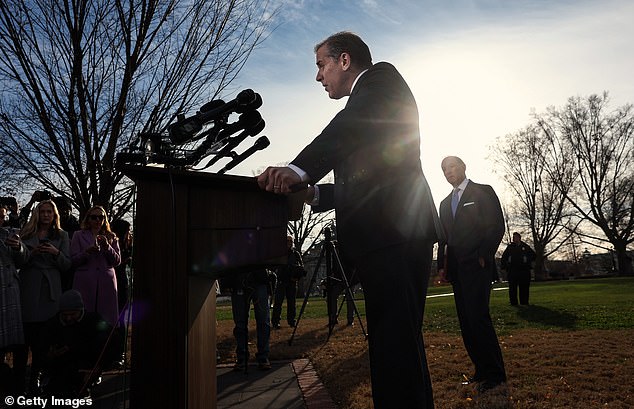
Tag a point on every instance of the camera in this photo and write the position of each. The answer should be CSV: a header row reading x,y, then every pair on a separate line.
x,y
43,194
9,202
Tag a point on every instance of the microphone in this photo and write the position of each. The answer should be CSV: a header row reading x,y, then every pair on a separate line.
x,y
234,141
261,143
247,120
185,129
124,158
177,137
251,104
213,104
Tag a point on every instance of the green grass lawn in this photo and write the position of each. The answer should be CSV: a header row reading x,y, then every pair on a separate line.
x,y
606,303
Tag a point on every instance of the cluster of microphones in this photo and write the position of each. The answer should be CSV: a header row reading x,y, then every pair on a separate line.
x,y
201,140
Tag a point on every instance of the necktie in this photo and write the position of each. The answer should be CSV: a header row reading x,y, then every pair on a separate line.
x,y
454,200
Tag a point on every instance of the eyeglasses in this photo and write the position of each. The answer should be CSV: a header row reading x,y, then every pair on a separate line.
x,y
96,217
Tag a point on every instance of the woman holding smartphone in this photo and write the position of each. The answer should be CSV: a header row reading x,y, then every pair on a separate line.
x,y
95,253
40,282
13,253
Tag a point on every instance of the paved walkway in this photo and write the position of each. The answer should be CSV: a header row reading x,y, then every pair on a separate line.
x,y
287,385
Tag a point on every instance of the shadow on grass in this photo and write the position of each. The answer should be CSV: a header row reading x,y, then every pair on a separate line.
x,y
547,317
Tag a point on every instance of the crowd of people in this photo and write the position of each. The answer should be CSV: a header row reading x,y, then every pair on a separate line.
x,y
63,287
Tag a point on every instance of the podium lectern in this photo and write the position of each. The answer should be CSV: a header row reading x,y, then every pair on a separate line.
x,y
190,229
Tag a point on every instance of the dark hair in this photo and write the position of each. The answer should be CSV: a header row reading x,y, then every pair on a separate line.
x,y
62,202
120,227
347,42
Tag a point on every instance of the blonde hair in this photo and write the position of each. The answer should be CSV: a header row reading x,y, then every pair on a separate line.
x,y
30,228
105,227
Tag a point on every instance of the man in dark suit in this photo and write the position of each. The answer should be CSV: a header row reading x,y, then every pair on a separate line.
x,y
517,260
472,220
384,210
286,286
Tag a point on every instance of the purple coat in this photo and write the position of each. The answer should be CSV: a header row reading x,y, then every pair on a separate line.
x,y
95,277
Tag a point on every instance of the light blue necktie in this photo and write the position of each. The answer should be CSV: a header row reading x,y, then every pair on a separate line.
x,y
455,198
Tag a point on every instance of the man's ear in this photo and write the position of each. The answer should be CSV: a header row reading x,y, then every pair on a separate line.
x,y
344,60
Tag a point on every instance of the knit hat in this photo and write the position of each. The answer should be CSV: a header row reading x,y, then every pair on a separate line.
x,y
71,300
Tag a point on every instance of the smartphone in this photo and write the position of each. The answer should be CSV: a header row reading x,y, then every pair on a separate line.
x,y
9,233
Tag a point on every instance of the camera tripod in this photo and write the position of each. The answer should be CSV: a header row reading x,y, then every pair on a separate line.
x,y
330,254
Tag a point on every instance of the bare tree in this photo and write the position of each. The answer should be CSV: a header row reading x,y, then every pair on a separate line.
x,y
600,144
80,80
309,227
539,204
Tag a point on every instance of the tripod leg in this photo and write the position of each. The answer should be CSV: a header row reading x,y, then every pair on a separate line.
x,y
312,282
333,319
349,294
247,297
331,283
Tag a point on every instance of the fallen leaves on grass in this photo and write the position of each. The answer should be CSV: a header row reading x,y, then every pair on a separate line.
x,y
545,369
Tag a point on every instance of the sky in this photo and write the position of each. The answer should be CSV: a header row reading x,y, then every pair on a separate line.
x,y
476,68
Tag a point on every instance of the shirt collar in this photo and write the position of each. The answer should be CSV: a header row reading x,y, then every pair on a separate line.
x,y
462,186
357,79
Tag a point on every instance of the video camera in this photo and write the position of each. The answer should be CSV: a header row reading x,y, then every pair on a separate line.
x,y
9,202
43,195
189,140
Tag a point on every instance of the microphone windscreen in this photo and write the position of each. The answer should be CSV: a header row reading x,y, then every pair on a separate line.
x,y
216,103
256,129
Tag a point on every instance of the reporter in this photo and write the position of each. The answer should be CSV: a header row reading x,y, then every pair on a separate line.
x,y
13,253
40,280
95,253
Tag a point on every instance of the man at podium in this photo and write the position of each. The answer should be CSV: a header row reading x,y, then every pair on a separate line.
x,y
384,210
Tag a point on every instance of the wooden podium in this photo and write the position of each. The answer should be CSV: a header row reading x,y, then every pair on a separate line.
x,y
190,229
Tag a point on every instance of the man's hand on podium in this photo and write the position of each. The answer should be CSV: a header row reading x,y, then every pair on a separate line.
x,y
279,179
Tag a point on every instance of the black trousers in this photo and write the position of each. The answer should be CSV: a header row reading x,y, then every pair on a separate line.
x,y
394,282
521,279
334,291
472,291
32,333
288,290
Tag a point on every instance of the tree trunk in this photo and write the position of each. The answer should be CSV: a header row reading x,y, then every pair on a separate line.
x,y
538,268
624,260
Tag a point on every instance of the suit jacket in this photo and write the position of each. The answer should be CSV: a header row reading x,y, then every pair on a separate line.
x,y
475,231
380,194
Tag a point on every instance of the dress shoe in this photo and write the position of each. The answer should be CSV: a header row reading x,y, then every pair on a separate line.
x,y
468,380
485,386
277,326
264,365
239,366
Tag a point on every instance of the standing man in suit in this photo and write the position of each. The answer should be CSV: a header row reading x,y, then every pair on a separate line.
x,y
517,260
286,287
384,210
472,220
